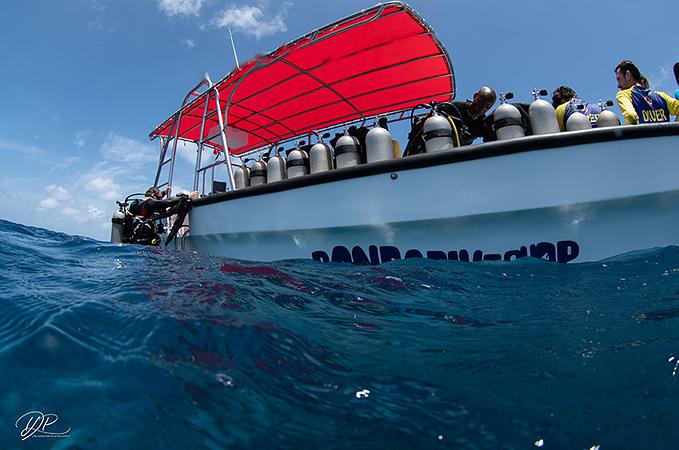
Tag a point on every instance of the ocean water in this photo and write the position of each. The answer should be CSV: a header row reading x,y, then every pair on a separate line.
x,y
139,348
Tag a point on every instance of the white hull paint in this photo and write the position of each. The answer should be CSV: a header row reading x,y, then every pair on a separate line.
x,y
575,203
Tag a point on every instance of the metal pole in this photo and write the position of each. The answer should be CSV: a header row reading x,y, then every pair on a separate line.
x,y
233,46
163,151
174,154
227,155
200,145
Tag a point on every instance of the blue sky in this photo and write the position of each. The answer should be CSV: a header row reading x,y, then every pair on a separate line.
x,y
83,82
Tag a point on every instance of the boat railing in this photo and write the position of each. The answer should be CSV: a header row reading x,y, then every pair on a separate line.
x,y
204,171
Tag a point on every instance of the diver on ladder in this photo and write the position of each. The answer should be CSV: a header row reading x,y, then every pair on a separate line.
x,y
140,221
152,203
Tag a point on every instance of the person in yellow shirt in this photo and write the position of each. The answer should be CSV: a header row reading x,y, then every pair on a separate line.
x,y
566,102
638,103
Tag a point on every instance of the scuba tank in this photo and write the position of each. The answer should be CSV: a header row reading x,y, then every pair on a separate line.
x,y
320,156
118,226
347,151
542,115
395,146
607,118
378,144
275,168
507,120
241,176
298,162
578,120
258,173
437,133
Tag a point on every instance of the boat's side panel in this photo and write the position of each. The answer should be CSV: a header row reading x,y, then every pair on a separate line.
x,y
607,198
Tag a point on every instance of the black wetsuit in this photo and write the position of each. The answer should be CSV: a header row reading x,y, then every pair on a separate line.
x,y
146,208
146,228
468,127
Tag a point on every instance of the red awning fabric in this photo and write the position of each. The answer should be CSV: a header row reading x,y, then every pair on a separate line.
x,y
382,60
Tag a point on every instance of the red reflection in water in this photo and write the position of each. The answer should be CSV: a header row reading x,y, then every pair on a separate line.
x,y
266,271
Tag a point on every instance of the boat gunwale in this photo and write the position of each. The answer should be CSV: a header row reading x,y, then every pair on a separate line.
x,y
468,153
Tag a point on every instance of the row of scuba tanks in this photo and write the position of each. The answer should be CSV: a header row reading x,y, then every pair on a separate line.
x,y
509,122
347,152
438,133
321,157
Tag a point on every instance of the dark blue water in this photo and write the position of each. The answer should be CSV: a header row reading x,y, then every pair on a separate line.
x,y
143,348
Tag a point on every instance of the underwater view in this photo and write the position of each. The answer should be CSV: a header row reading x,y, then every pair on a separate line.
x,y
109,346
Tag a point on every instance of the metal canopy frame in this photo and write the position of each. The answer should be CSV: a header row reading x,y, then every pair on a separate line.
x,y
213,91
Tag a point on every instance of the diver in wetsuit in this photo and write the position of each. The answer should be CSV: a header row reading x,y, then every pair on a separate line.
x,y
153,207
469,117
153,203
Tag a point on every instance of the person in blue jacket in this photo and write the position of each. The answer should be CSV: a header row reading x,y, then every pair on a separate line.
x,y
676,77
637,102
566,102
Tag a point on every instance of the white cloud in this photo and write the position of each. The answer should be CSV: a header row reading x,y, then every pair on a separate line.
x,y
100,184
121,149
48,203
84,196
95,24
187,151
62,205
63,163
94,212
76,214
660,80
189,43
180,7
58,195
108,189
80,138
250,20
24,149
58,192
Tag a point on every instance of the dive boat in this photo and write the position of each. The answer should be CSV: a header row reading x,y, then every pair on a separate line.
x,y
566,196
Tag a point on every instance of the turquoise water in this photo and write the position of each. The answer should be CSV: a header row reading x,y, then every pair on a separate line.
x,y
143,348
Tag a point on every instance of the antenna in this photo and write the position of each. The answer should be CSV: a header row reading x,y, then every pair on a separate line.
x,y
233,46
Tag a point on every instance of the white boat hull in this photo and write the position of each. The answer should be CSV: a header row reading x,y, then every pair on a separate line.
x,y
580,202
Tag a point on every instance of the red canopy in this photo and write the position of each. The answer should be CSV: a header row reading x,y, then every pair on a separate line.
x,y
381,60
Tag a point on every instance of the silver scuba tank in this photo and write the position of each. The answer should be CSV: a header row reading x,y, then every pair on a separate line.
x,y
347,152
542,115
298,162
507,120
378,146
607,118
320,156
117,227
258,173
437,133
275,168
578,120
241,176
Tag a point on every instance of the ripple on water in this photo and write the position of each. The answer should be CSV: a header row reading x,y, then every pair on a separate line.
x,y
146,348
